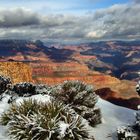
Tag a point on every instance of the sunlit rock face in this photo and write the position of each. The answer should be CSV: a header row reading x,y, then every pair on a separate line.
x,y
17,71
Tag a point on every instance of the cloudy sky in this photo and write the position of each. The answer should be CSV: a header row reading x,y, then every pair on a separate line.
x,y
70,20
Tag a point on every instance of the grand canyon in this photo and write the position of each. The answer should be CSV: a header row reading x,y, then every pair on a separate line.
x,y
110,66
69,70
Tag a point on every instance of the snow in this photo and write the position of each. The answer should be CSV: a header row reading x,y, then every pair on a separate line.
x,y
3,106
138,107
63,127
39,98
113,117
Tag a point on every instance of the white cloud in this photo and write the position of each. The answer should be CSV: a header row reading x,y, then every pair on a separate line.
x,y
116,22
95,34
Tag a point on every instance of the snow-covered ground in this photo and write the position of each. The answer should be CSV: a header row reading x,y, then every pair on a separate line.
x,y
3,106
113,116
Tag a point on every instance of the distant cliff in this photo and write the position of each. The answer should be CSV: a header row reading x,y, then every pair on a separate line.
x,y
17,71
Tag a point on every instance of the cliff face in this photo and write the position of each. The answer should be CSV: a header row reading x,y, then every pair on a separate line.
x,y
67,69
55,73
17,71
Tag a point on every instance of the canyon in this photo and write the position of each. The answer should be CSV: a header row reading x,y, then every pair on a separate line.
x,y
111,67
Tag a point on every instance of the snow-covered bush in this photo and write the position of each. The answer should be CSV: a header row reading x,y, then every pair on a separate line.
x,y
76,92
93,115
138,88
136,126
81,97
126,133
5,83
33,120
42,89
24,88
137,122
131,132
28,89
15,109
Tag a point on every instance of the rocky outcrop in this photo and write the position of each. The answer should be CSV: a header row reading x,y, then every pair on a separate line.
x,y
113,97
17,71
106,93
67,69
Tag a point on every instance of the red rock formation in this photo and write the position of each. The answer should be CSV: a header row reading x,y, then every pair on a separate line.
x,y
17,71
111,96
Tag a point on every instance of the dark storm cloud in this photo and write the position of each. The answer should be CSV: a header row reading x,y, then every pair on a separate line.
x,y
17,17
116,22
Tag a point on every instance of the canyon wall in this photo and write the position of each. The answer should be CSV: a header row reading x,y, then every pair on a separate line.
x,y
17,71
